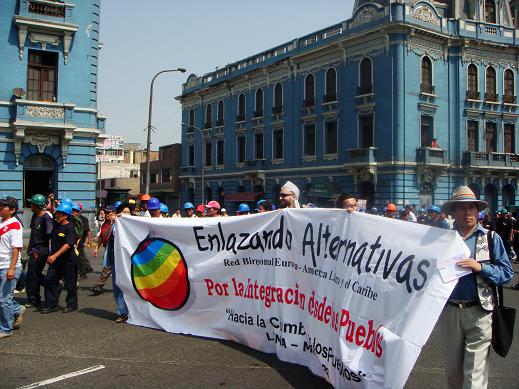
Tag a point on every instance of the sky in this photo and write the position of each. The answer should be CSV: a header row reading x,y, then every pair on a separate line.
x,y
141,38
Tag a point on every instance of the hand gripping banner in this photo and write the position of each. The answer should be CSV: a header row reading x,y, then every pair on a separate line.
x,y
354,297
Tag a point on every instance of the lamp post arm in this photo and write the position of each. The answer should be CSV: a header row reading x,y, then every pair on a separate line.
x,y
148,140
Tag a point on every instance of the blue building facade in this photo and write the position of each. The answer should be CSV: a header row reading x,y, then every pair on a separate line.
x,y
401,103
49,123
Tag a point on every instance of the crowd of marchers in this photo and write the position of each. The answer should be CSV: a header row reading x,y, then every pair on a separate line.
x,y
60,234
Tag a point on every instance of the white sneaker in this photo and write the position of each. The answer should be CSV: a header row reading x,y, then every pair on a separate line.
x,y
5,334
18,319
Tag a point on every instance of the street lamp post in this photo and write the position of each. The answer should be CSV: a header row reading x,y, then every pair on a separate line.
x,y
202,154
148,142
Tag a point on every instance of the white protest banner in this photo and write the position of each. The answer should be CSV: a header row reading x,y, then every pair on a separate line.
x,y
352,296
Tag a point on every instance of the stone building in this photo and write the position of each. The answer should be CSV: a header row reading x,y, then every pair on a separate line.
x,y
49,122
400,103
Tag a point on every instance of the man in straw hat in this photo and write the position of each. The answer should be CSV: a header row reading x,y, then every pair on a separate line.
x,y
466,321
289,196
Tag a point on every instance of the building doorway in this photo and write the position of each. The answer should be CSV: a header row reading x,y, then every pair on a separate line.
x,y
491,197
39,177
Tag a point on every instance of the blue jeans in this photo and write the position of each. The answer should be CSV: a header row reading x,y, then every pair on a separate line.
x,y
9,308
121,307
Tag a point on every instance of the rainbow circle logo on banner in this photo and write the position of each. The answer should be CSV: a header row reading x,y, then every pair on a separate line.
x,y
159,274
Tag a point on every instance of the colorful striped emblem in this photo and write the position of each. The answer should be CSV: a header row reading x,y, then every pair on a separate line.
x,y
159,274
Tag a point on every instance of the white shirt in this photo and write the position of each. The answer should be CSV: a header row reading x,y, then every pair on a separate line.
x,y
11,236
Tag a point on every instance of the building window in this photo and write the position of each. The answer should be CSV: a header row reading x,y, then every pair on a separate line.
x,y
166,175
153,178
309,139
191,127
309,100
240,148
330,138
472,82
508,90
490,94
42,74
365,77
427,82
241,108
220,152
509,138
191,155
258,145
208,115
490,11
331,86
473,135
258,111
277,143
278,99
426,130
209,154
366,138
219,114
491,138
134,173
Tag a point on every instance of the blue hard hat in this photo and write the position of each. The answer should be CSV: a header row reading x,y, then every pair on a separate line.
x,y
481,215
110,208
422,210
153,204
67,200
434,208
64,208
243,208
117,203
189,205
260,202
164,208
76,207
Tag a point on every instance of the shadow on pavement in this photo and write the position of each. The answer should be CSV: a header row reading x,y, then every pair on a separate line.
x,y
100,313
289,371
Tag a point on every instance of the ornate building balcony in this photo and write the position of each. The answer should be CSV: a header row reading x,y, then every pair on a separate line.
x,y
28,112
431,156
47,8
363,155
484,159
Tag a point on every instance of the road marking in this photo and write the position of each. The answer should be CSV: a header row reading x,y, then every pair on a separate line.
x,y
63,377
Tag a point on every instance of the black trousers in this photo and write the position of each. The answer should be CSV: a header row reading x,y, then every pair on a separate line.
x,y
65,268
35,278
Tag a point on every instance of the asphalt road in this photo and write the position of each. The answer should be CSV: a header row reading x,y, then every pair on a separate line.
x,y
52,345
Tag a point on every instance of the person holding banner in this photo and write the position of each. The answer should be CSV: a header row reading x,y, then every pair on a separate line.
x,y
466,321
289,196
213,208
347,202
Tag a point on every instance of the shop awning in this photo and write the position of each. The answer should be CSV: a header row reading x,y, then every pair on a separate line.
x,y
244,196
325,189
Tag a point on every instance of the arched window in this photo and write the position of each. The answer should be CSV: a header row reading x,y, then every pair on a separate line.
x,y
309,91
427,81
509,90
258,112
278,98
490,93
490,11
208,115
331,85
472,82
219,114
190,128
365,77
241,108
